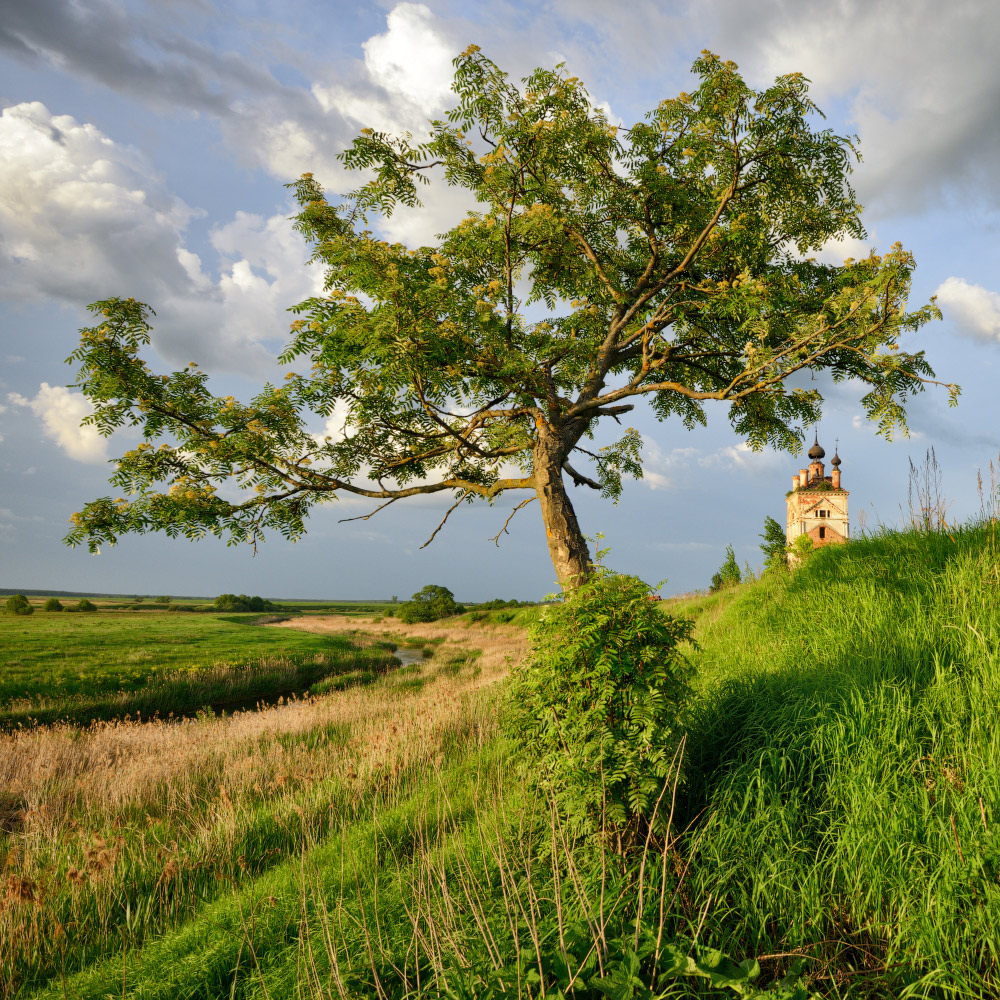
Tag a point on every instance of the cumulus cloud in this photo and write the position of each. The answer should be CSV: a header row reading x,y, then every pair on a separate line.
x,y
921,83
974,310
60,411
742,457
664,470
82,216
78,210
158,57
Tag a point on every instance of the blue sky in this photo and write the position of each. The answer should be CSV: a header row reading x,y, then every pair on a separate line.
x,y
143,151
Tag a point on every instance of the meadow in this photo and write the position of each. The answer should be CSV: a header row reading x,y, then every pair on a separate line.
x,y
108,664
833,816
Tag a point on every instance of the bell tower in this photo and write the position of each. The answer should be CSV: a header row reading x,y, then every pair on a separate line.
x,y
817,503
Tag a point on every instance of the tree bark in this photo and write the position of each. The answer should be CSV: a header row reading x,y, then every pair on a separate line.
x,y
567,546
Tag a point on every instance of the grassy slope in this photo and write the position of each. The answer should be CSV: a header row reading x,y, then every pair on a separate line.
x,y
845,752
842,779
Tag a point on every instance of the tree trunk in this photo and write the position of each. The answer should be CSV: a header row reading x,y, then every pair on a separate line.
x,y
567,546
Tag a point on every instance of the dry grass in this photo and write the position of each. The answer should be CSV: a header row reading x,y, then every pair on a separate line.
x,y
89,815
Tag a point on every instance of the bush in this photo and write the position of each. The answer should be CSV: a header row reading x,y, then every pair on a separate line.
x,y
52,604
241,602
18,604
84,605
428,605
774,545
597,704
729,572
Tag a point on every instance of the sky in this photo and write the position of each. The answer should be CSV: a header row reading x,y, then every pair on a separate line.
x,y
145,149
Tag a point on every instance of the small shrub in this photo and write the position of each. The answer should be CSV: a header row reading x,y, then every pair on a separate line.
x,y
84,605
18,604
774,545
428,605
729,572
800,550
165,599
597,704
52,604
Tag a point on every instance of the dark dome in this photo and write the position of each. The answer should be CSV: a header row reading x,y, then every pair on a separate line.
x,y
835,461
816,451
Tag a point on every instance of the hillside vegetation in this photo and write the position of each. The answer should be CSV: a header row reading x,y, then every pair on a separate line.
x,y
830,830
843,765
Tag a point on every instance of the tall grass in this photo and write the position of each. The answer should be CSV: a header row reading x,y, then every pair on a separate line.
x,y
116,834
845,762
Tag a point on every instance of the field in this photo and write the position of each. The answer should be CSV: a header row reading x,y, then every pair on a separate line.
x,y
837,806
108,665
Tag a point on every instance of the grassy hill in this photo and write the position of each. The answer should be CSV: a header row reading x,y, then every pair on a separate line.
x,y
843,764
839,803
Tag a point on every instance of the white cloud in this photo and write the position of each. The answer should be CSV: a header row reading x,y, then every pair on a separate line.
x,y
60,411
80,213
664,470
742,457
405,79
411,60
921,83
835,251
83,217
974,310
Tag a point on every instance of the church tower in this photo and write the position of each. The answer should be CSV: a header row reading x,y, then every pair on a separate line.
x,y
817,503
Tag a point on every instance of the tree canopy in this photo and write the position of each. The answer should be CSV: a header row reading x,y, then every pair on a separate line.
x,y
603,264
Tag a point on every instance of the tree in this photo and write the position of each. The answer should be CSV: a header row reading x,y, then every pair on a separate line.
x,y
774,545
729,572
53,604
18,604
242,602
603,265
429,604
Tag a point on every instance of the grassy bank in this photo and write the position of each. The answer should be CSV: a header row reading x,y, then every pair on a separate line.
x,y
843,768
107,665
120,834
838,803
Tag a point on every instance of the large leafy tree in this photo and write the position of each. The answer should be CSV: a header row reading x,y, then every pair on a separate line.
x,y
666,261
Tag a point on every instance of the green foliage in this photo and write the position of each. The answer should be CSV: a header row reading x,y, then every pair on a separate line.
x,y
85,605
18,604
52,604
842,753
800,550
672,259
596,706
428,605
728,574
165,599
774,544
498,603
241,602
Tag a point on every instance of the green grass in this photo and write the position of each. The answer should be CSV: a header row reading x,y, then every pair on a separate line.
x,y
840,801
843,765
107,665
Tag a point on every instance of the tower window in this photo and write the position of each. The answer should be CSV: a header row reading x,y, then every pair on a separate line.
x,y
822,532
